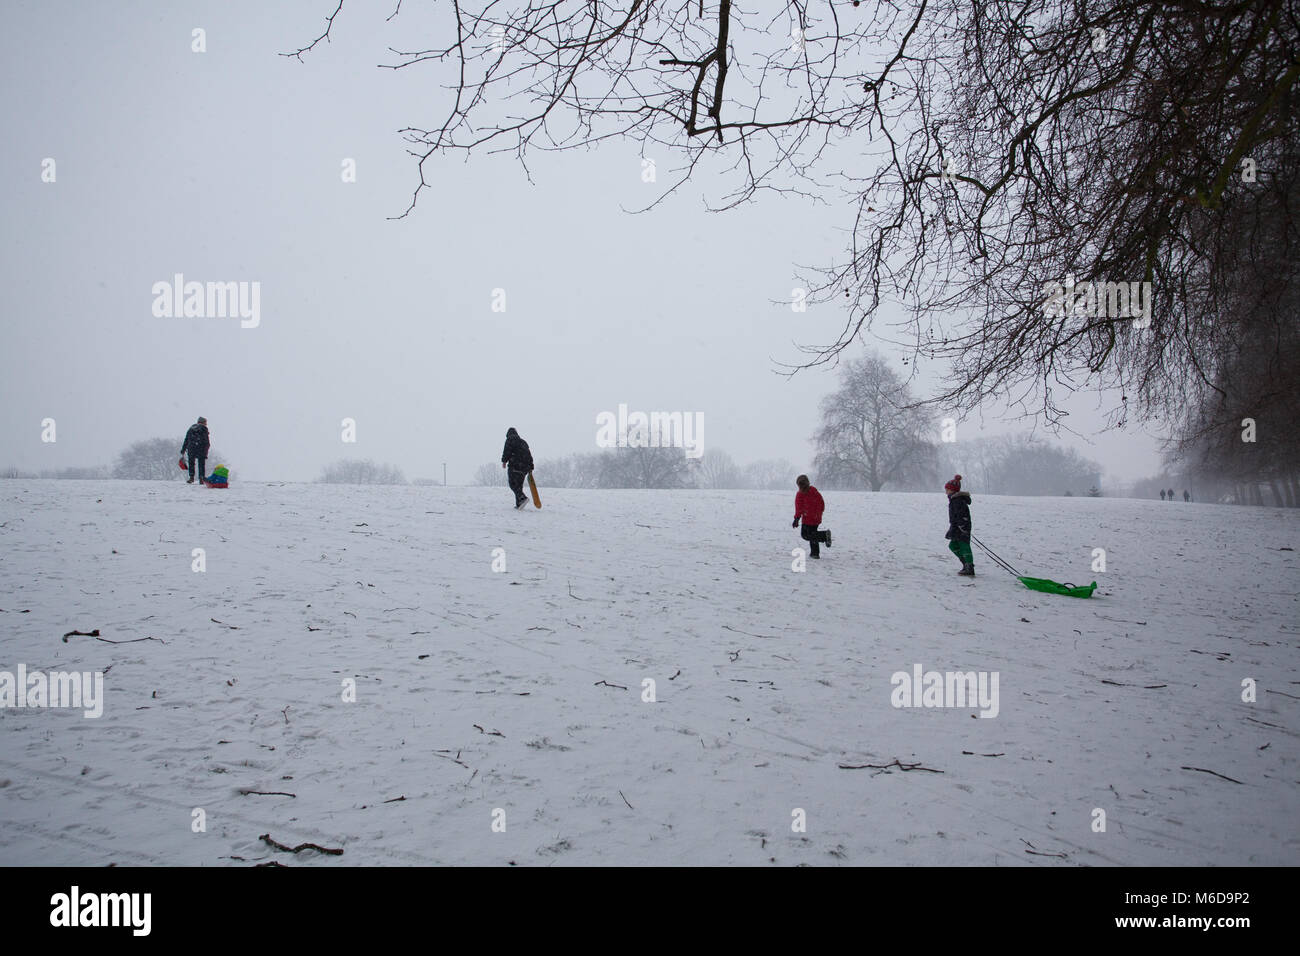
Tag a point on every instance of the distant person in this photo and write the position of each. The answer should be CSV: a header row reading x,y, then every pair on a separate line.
x,y
809,505
197,443
1187,495
959,525
516,457
1162,494
1171,494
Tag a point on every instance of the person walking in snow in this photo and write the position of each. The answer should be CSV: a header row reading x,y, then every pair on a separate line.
x,y
1187,495
516,457
959,525
1162,494
808,505
196,445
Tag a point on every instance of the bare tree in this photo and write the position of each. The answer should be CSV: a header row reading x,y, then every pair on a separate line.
x,y
871,434
488,474
991,148
770,474
554,472
648,463
1028,465
718,470
586,469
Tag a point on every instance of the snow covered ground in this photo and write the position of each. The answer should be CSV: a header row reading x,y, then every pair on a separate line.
x,y
516,696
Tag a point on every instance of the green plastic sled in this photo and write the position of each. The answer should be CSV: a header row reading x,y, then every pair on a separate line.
x,y
1051,587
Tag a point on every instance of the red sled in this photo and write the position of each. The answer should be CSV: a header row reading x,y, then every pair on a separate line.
x,y
184,467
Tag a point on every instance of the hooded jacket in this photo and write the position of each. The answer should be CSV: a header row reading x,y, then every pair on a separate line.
x,y
515,453
959,517
809,505
196,441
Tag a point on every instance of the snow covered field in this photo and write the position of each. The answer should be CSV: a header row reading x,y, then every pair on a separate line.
x,y
516,696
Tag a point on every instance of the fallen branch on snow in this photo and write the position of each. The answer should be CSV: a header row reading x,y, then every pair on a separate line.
x,y
887,767
95,635
266,838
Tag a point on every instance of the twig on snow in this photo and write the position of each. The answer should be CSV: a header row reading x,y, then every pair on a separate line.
x,y
747,633
1211,772
1060,856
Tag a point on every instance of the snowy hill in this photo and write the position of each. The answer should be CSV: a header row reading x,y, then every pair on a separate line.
x,y
521,691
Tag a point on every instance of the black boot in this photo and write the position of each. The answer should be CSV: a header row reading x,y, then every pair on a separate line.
x,y
967,570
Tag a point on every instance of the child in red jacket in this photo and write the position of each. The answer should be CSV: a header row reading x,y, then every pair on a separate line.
x,y
808,504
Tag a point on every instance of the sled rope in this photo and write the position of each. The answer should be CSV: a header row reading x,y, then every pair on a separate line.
x,y
1001,563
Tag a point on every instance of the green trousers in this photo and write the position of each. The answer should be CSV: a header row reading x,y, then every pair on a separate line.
x,y
962,550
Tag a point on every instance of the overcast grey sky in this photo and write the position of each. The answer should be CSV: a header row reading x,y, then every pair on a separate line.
x,y
226,166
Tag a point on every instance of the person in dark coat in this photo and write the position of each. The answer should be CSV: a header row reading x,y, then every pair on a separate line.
x,y
959,525
1162,494
1187,495
196,446
809,505
516,457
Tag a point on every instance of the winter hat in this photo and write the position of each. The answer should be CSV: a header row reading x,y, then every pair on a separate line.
x,y
954,485
202,420
511,433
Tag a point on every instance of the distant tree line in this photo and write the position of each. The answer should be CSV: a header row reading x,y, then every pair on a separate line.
x,y
153,459
95,472
358,471
156,459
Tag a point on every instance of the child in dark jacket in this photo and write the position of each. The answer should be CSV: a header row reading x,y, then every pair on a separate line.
x,y
959,525
808,505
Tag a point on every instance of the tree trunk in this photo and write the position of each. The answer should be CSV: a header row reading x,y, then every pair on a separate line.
x,y
1289,484
1277,492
